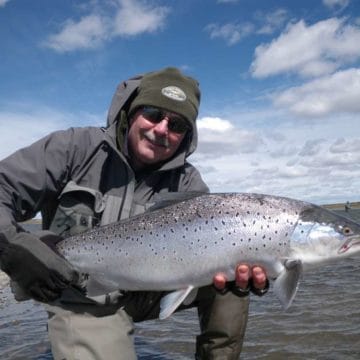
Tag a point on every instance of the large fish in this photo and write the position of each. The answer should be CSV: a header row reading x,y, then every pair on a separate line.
x,y
182,246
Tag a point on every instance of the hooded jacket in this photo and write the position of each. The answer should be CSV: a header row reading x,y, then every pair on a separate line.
x,y
78,177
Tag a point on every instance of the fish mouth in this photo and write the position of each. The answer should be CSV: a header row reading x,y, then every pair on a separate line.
x,y
350,243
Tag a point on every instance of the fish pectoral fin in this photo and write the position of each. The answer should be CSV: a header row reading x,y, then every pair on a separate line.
x,y
286,284
99,285
172,301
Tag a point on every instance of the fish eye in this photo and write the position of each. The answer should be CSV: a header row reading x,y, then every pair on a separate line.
x,y
346,230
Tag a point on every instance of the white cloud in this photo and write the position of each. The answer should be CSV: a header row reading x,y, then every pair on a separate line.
x,y
134,18
88,33
220,137
214,123
328,95
342,145
3,2
30,124
232,33
131,18
312,50
311,147
318,161
271,21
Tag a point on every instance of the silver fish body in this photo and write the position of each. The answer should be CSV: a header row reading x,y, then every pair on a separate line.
x,y
182,246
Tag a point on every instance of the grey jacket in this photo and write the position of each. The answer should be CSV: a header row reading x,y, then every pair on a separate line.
x,y
78,177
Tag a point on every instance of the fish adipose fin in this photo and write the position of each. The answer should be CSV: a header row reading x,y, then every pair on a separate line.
x,y
172,301
286,284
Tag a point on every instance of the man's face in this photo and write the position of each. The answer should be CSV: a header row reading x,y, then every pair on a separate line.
x,y
150,140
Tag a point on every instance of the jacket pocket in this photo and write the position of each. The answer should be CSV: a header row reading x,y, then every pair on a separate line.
x,y
79,210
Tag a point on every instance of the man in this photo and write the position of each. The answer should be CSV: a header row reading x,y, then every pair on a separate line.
x,y
83,177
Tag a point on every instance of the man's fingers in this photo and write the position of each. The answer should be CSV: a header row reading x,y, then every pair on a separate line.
x,y
219,281
246,279
259,277
242,276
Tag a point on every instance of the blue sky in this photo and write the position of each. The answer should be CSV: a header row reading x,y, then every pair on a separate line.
x,y
280,82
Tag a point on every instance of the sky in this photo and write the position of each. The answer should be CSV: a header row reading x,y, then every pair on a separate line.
x,y
280,82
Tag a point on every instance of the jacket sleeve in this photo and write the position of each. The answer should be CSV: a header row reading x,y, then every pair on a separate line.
x,y
191,180
34,175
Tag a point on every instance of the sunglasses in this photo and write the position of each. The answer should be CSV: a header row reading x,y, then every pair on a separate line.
x,y
176,123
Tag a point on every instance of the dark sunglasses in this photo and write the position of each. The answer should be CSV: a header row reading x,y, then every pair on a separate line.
x,y
176,123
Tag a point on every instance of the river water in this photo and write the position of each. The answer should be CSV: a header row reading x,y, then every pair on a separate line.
x,y
323,323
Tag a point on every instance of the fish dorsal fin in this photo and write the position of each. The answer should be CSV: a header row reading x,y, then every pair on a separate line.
x,y
172,301
167,199
286,284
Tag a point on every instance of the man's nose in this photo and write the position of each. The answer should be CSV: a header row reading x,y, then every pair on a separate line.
x,y
162,126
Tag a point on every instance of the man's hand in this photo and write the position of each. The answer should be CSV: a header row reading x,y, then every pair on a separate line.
x,y
246,279
37,270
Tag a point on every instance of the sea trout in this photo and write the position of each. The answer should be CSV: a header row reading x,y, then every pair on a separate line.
x,y
182,246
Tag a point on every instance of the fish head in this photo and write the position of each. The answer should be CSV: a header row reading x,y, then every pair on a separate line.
x,y
322,236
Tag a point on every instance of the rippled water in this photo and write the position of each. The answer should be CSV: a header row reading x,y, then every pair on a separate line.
x,y
323,324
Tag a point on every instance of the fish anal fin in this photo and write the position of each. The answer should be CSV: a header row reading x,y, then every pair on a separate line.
x,y
172,301
286,284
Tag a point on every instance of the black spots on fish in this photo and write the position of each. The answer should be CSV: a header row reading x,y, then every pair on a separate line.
x,y
223,222
237,214
215,228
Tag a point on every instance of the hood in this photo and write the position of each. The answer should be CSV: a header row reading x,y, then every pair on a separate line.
x,y
125,93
